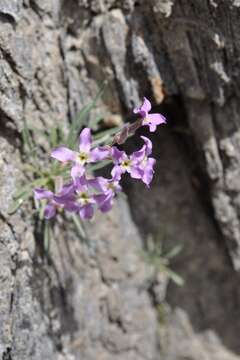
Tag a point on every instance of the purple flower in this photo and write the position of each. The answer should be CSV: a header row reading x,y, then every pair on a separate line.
x,y
83,195
146,163
124,163
139,165
84,199
61,200
84,156
79,199
151,120
52,206
108,188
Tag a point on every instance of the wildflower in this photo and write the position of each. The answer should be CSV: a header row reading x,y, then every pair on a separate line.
x,y
108,189
151,120
124,163
79,199
139,165
51,206
84,156
146,163
83,195
84,199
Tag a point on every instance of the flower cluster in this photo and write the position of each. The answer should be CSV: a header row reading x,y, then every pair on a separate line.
x,y
84,193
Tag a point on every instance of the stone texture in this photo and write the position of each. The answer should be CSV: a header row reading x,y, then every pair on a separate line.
x,y
178,214
181,342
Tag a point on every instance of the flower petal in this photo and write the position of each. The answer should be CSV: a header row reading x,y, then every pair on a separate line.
x,y
117,187
86,212
85,140
144,109
136,172
156,119
81,184
148,171
139,155
66,190
148,145
99,183
105,201
117,171
152,127
117,155
100,198
49,211
62,200
63,154
107,205
66,195
71,206
99,153
77,171
40,193
146,106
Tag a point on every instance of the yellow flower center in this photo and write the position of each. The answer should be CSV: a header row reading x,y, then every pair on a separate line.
x,y
110,186
145,121
126,163
83,198
82,157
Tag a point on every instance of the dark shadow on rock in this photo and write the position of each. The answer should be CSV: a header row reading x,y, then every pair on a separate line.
x,y
176,210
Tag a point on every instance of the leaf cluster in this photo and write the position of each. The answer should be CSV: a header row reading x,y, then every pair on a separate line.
x,y
156,256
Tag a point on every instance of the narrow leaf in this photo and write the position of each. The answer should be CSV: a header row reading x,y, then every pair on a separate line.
x,y
174,252
79,227
175,277
15,206
19,193
46,236
105,137
27,139
100,165
53,137
93,124
81,119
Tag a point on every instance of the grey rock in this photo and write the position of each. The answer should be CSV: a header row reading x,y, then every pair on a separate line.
x,y
182,342
11,8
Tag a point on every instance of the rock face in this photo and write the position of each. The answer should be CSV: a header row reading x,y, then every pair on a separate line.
x,y
179,338
89,301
